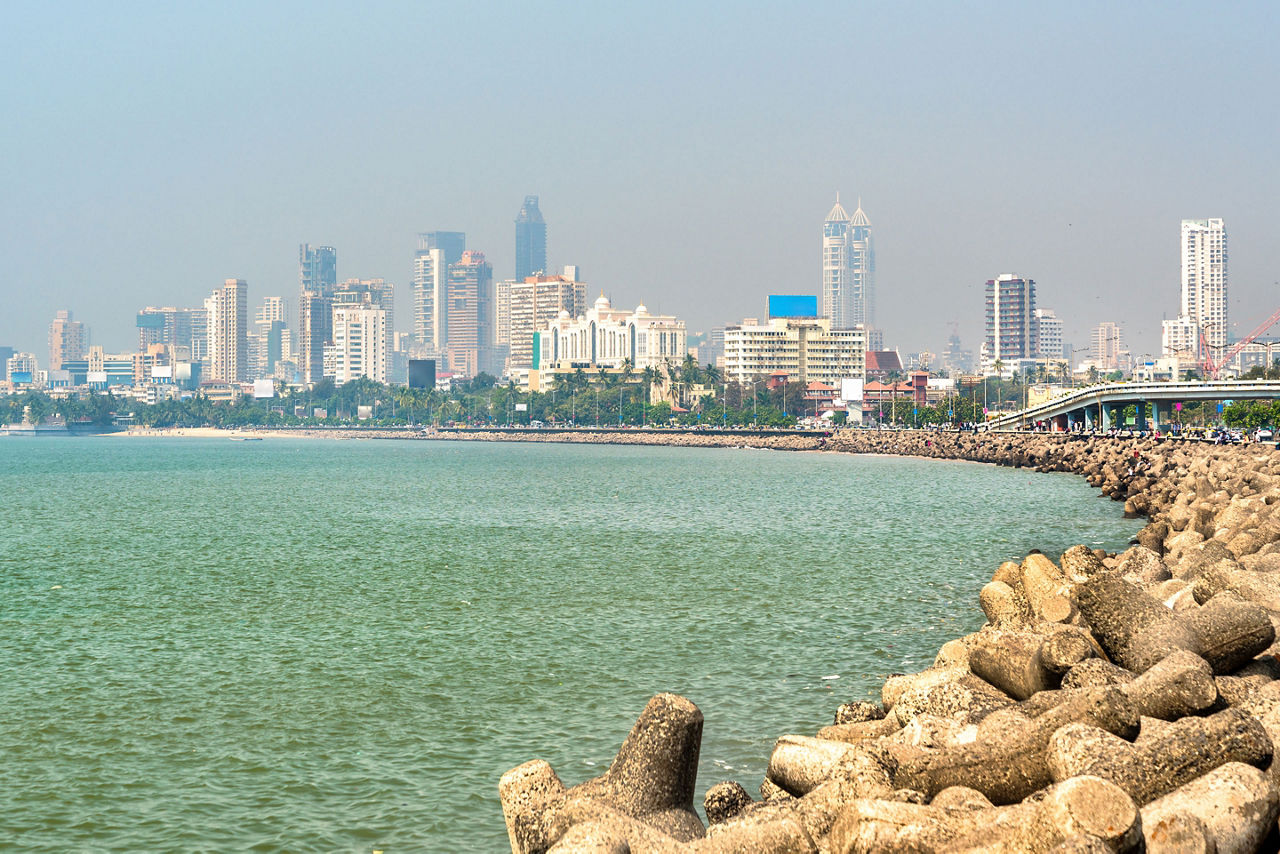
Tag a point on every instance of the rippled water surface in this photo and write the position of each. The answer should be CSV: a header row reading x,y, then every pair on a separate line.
x,y
318,646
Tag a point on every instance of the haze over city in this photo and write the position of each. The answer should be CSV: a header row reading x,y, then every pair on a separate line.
x,y
684,156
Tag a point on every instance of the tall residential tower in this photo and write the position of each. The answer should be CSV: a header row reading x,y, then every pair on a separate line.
x,y
228,309
1203,309
317,280
430,286
848,268
1012,331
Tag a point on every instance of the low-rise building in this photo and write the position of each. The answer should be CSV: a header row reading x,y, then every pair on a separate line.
x,y
806,349
610,338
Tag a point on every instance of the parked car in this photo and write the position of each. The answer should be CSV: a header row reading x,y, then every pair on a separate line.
x,y
1264,434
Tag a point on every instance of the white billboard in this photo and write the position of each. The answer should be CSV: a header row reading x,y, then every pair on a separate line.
x,y
96,377
264,389
522,407
851,390
162,372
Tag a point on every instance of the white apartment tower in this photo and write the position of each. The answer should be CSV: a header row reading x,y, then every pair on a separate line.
x,y
848,268
360,342
228,311
430,300
1050,340
1204,291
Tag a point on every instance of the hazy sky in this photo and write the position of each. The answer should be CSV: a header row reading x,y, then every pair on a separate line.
x,y
685,154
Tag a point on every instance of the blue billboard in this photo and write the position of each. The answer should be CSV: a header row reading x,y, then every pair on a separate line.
x,y
793,306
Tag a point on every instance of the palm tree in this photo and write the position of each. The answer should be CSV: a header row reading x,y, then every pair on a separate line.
x,y
673,383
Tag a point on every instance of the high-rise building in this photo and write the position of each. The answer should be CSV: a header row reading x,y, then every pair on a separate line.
x,y
317,269
530,305
317,280
531,240
6,353
361,346
1203,310
177,327
436,251
267,337
469,345
1050,343
315,329
1107,348
370,293
66,340
451,243
1011,321
848,268
228,309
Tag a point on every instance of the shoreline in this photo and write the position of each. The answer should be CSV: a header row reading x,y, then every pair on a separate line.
x,y
1111,701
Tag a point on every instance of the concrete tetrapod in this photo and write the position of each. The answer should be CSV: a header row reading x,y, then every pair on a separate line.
x,y
1155,766
1138,631
1007,763
1234,804
1085,808
651,780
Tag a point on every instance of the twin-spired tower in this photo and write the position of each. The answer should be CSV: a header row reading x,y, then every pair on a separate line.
x,y
848,268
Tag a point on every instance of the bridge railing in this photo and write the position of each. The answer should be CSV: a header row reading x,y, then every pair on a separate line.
x,y
1107,393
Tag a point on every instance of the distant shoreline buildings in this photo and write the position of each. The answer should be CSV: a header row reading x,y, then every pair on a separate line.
x,y
538,325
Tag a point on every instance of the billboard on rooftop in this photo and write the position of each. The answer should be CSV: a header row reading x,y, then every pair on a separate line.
x,y
793,305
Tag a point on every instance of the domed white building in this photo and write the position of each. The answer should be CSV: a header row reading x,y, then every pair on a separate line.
x,y
607,337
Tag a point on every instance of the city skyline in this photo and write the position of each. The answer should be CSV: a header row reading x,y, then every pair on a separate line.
x,y
163,204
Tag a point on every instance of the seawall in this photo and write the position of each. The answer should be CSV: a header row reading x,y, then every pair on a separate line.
x,y
1112,702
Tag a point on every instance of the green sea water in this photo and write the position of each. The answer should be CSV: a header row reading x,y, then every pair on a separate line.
x,y
305,645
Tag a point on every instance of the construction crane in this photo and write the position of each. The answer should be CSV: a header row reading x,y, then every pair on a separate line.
x,y
1212,366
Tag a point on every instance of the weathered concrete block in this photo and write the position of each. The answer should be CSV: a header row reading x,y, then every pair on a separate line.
x,y
1234,804
1186,750
1008,763
1138,631
967,700
1047,589
857,712
1086,807
651,780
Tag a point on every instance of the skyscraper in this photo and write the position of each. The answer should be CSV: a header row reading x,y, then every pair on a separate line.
x,y
436,251
848,268
317,269
228,309
66,340
471,315
1204,287
1011,321
317,280
531,240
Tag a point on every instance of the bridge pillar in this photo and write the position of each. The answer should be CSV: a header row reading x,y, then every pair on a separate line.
x,y
1155,415
1140,415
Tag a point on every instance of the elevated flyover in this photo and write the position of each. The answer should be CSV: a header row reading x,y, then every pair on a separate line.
x,y
1099,406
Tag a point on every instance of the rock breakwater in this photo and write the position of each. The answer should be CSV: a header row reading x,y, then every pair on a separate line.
x,y
1112,702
